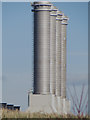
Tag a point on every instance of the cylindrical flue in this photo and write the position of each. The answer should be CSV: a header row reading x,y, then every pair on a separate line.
x,y
53,15
42,47
63,56
58,52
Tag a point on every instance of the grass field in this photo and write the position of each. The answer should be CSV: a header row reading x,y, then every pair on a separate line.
x,y
19,114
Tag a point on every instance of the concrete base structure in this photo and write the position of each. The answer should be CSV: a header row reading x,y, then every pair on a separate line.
x,y
48,104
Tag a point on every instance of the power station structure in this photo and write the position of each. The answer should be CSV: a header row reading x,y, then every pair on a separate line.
x,y
49,95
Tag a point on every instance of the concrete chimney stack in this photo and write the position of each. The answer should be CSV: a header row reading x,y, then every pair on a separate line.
x,y
58,52
53,15
49,94
63,55
41,47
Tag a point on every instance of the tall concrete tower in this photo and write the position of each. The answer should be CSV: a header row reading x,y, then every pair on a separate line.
x,y
53,15
63,55
49,94
58,52
41,47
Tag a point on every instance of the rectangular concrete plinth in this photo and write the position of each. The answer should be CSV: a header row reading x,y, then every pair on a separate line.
x,y
48,104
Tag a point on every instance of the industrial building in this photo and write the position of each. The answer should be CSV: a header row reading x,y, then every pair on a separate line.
x,y
9,106
49,94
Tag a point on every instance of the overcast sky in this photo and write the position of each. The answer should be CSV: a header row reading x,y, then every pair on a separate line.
x,y
17,36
